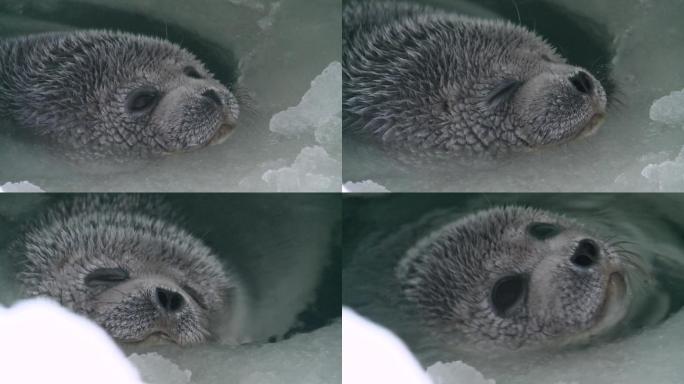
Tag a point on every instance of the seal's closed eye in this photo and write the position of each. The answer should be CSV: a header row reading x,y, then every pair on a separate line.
x,y
106,276
142,99
543,231
503,92
192,72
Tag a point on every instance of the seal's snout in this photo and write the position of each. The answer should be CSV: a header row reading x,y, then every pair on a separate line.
x,y
169,301
586,254
582,82
213,96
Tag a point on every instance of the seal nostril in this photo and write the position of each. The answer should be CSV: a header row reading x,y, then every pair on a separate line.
x,y
169,300
213,96
586,254
582,82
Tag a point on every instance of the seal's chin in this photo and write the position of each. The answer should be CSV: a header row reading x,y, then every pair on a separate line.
x,y
224,132
614,306
593,125
154,338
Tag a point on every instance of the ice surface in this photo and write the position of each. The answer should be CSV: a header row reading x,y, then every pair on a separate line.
x,y
654,356
156,369
372,354
44,343
366,186
305,358
22,186
456,372
669,109
318,117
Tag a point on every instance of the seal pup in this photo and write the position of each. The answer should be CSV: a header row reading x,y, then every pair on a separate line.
x,y
124,263
512,277
103,93
433,82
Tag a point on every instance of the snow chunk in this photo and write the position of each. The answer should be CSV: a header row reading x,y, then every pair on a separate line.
x,y
456,372
373,354
668,175
22,186
366,186
669,109
319,104
318,115
313,170
156,369
45,343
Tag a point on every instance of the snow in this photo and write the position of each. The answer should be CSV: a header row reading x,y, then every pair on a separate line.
x,y
366,186
44,343
456,372
22,186
669,109
373,354
156,369
317,116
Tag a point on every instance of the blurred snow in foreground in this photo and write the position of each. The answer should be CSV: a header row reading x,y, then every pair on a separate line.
x,y
373,354
45,343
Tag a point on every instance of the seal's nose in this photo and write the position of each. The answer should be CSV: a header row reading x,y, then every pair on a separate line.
x,y
582,82
168,300
586,254
213,96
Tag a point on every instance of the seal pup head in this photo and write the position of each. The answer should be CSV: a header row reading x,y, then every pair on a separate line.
x,y
121,262
112,92
427,80
514,277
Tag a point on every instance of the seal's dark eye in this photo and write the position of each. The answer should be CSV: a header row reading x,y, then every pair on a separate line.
x,y
192,72
507,292
543,231
503,92
142,99
106,276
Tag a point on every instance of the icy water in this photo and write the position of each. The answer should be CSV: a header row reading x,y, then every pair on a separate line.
x,y
272,49
379,230
634,47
